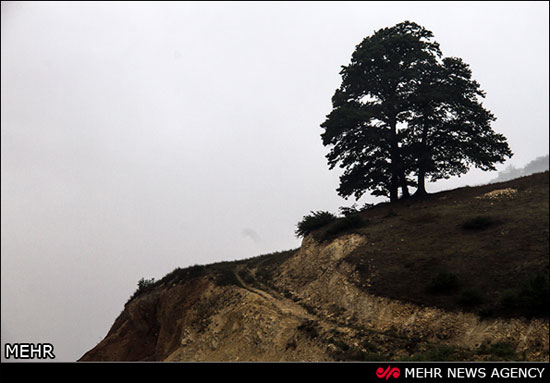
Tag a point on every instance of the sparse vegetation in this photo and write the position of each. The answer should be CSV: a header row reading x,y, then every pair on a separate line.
x,y
342,351
342,225
353,209
314,221
443,282
143,286
224,273
145,283
179,275
267,264
325,225
348,210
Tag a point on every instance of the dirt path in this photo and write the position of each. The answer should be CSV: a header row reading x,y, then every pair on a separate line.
x,y
285,305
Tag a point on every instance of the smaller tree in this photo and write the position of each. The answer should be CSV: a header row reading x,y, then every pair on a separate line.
x,y
449,129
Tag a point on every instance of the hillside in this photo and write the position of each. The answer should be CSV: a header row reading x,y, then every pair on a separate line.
x,y
458,275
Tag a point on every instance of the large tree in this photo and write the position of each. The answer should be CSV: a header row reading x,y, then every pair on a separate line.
x,y
401,110
372,101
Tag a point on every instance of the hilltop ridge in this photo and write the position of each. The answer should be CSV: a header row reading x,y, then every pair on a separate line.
x,y
457,275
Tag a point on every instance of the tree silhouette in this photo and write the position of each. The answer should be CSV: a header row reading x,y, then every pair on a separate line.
x,y
449,128
401,111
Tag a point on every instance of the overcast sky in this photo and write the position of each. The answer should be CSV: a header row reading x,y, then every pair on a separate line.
x,y
141,137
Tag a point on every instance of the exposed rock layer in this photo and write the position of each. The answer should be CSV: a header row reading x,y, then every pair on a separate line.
x,y
312,310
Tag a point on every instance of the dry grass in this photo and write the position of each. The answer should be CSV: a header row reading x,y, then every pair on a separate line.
x,y
425,238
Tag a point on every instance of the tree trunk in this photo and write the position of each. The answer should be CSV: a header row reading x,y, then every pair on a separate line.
x,y
423,160
421,188
404,187
394,165
394,183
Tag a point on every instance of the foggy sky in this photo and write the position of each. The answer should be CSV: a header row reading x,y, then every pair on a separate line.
x,y
141,137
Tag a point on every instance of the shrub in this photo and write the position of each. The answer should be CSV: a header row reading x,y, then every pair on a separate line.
x,y
346,352
224,273
532,299
508,300
534,296
443,282
353,209
179,275
470,297
226,278
343,224
145,283
478,223
348,210
503,350
143,286
314,221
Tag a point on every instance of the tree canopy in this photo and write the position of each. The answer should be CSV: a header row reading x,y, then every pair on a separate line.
x,y
404,113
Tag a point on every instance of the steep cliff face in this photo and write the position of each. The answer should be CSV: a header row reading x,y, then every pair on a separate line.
x,y
327,301
201,321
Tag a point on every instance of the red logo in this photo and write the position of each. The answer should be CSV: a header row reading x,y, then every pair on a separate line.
x,y
388,372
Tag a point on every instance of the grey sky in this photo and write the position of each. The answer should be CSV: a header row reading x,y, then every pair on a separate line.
x,y
141,137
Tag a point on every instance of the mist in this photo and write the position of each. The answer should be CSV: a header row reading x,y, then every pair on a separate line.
x,y
141,137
